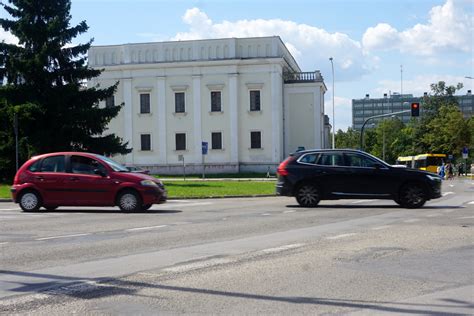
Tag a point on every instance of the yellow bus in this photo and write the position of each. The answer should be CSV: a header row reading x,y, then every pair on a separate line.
x,y
427,162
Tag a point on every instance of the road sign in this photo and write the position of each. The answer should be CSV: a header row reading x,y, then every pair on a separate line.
x,y
465,153
204,148
180,158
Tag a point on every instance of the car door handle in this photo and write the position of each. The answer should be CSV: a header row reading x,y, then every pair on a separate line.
x,y
39,178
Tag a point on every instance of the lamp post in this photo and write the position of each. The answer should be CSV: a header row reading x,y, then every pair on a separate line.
x,y
333,119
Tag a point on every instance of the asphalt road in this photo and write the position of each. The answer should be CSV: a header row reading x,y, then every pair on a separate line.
x,y
242,256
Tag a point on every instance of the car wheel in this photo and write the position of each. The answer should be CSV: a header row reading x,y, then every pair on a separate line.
x,y
129,201
412,196
30,201
146,207
308,195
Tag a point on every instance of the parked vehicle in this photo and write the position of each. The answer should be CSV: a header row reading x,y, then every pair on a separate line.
x,y
314,175
83,179
136,169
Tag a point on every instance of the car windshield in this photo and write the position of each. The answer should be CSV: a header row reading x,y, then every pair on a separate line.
x,y
113,164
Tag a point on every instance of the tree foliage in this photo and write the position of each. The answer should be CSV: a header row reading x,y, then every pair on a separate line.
x,y
45,84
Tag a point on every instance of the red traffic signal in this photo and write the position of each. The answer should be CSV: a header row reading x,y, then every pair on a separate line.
x,y
415,109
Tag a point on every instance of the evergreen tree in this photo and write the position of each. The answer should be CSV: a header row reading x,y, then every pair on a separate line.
x,y
45,83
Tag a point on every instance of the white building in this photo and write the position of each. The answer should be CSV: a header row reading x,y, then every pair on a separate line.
x,y
246,97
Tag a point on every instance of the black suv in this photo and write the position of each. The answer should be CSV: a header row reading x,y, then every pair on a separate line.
x,y
314,175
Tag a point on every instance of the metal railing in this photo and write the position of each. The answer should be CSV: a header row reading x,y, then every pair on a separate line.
x,y
295,77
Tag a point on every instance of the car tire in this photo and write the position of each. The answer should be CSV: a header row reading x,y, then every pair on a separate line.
x,y
412,195
30,201
129,201
308,195
146,207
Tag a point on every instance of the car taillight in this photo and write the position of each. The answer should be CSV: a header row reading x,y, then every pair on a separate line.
x,y
282,171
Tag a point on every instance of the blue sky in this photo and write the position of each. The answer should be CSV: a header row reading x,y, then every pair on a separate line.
x,y
368,39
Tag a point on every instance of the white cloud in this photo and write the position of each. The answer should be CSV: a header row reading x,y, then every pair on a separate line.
x,y
448,28
309,45
420,84
8,37
342,109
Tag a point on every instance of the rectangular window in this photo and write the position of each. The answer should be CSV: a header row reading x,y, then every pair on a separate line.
x,y
144,103
216,140
145,142
215,101
179,102
110,102
255,100
255,140
180,141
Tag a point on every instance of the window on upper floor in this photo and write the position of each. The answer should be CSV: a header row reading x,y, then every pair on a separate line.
x,y
179,102
144,103
216,105
255,100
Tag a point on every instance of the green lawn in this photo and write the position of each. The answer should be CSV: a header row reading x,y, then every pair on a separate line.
x,y
199,189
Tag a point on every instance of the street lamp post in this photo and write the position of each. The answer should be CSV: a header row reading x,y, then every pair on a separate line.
x,y
333,119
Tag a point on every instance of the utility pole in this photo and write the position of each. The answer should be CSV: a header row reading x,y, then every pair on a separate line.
x,y
401,80
333,119
15,128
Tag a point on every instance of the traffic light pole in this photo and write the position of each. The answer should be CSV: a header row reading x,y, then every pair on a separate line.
x,y
373,117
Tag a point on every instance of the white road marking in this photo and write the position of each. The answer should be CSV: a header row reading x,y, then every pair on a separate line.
x,y
465,217
282,248
286,212
447,193
413,220
361,201
433,215
451,185
266,214
166,206
448,211
198,265
381,227
64,236
341,236
3,243
10,209
144,228
472,202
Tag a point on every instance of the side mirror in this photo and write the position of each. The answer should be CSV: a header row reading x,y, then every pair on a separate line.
x,y
99,172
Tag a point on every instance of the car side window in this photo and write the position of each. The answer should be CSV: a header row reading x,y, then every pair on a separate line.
x,y
331,159
53,164
356,160
85,165
309,158
35,167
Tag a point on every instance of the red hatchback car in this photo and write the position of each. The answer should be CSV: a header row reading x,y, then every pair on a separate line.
x,y
83,179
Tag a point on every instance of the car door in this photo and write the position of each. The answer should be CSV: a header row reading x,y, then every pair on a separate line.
x,y
49,179
85,186
334,172
367,176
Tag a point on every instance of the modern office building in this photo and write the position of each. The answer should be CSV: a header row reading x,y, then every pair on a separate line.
x,y
362,109
247,98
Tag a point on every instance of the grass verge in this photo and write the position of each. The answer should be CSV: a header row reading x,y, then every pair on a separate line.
x,y
200,189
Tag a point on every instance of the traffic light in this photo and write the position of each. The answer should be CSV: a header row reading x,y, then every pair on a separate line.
x,y
415,109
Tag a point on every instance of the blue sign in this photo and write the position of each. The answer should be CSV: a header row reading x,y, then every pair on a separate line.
x,y
204,148
465,150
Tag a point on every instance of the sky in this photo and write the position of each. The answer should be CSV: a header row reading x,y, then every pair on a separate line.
x,y
370,40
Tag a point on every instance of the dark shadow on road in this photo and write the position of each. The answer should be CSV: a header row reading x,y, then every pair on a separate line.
x,y
361,205
106,211
90,288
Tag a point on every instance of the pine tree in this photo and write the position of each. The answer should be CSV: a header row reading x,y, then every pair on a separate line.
x,y
45,79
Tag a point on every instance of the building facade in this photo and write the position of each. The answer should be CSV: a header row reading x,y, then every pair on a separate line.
x,y
246,98
362,109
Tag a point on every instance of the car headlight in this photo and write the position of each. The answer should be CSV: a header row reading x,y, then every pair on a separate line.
x,y
433,178
148,183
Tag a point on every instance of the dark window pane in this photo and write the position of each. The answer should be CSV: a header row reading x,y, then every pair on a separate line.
x,y
179,102
255,100
181,141
331,159
35,167
216,140
145,103
110,102
309,158
85,165
255,140
53,164
145,142
215,101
